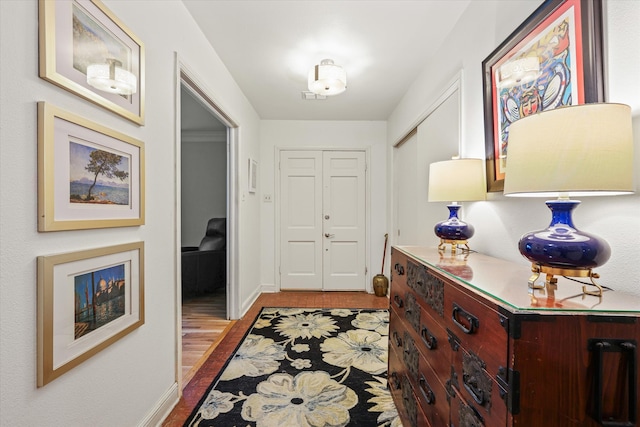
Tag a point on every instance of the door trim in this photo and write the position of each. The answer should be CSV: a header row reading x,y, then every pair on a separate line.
x,y
367,191
184,75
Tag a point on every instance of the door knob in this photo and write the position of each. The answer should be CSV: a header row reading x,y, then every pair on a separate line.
x,y
327,235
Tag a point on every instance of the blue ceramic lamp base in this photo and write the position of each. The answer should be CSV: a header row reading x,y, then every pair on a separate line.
x,y
453,231
562,250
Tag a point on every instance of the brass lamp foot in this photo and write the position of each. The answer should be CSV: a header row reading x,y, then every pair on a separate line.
x,y
454,245
552,281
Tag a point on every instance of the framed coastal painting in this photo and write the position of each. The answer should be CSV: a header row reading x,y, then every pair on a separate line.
x,y
563,38
89,176
87,50
87,300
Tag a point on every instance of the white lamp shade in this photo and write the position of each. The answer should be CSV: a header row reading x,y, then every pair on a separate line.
x,y
120,81
571,151
457,180
327,79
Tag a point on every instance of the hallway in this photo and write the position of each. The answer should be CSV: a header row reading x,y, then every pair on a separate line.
x,y
204,376
204,324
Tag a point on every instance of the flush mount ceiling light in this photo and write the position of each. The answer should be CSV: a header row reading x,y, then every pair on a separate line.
x,y
327,78
112,78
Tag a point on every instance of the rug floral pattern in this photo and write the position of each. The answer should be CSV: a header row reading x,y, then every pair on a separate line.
x,y
305,367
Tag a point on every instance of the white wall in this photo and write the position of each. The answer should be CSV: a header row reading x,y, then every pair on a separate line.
x,y
204,186
500,221
132,377
321,134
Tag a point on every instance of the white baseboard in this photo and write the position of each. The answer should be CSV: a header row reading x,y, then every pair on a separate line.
x,y
162,408
267,289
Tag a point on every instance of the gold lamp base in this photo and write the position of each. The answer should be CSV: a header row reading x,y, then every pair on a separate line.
x,y
551,281
454,245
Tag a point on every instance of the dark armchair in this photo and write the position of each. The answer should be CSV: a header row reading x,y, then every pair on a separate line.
x,y
204,266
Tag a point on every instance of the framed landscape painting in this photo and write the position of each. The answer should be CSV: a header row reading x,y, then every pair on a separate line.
x,y
78,34
565,38
89,176
87,300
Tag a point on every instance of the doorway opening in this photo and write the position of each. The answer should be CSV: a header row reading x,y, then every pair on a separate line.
x,y
205,225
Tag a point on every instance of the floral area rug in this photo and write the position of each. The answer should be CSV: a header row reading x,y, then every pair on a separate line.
x,y
305,367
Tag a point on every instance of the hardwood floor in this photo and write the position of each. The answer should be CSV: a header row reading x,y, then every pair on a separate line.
x,y
198,385
204,323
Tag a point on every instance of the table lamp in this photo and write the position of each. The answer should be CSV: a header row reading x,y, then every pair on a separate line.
x,y
581,150
456,180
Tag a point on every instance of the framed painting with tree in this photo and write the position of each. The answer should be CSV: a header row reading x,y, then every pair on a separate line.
x,y
89,176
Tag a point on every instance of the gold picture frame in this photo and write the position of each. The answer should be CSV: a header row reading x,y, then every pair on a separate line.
x,y
89,176
87,300
75,34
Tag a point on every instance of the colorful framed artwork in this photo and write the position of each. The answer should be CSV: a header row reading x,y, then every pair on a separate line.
x,y
87,300
89,176
253,175
87,50
564,40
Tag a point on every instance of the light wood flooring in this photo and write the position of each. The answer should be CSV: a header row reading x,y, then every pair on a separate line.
x,y
204,323
228,342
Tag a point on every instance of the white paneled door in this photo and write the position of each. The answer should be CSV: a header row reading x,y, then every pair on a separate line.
x,y
322,220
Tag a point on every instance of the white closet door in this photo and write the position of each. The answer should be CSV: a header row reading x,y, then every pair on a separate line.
x,y
405,189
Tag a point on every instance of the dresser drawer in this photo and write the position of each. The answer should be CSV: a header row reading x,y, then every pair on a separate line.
x,y
463,414
428,287
403,393
432,395
398,267
478,387
477,327
434,345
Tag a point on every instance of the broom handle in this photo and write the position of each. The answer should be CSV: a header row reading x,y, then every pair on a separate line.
x,y
384,252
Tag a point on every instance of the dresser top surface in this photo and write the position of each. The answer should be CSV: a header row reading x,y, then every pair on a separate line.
x,y
506,282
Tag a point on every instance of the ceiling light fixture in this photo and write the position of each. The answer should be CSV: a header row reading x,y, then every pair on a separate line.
x,y
327,78
112,78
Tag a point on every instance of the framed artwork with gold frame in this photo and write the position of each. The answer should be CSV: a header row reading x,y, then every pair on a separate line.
x,y
76,34
87,300
89,176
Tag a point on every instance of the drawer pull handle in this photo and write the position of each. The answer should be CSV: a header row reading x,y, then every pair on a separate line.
x,y
399,269
471,320
426,391
471,384
599,347
429,340
398,301
397,339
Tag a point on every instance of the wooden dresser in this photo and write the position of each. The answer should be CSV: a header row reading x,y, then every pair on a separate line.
x,y
471,345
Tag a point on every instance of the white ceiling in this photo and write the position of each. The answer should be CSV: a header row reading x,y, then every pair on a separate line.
x,y
269,47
